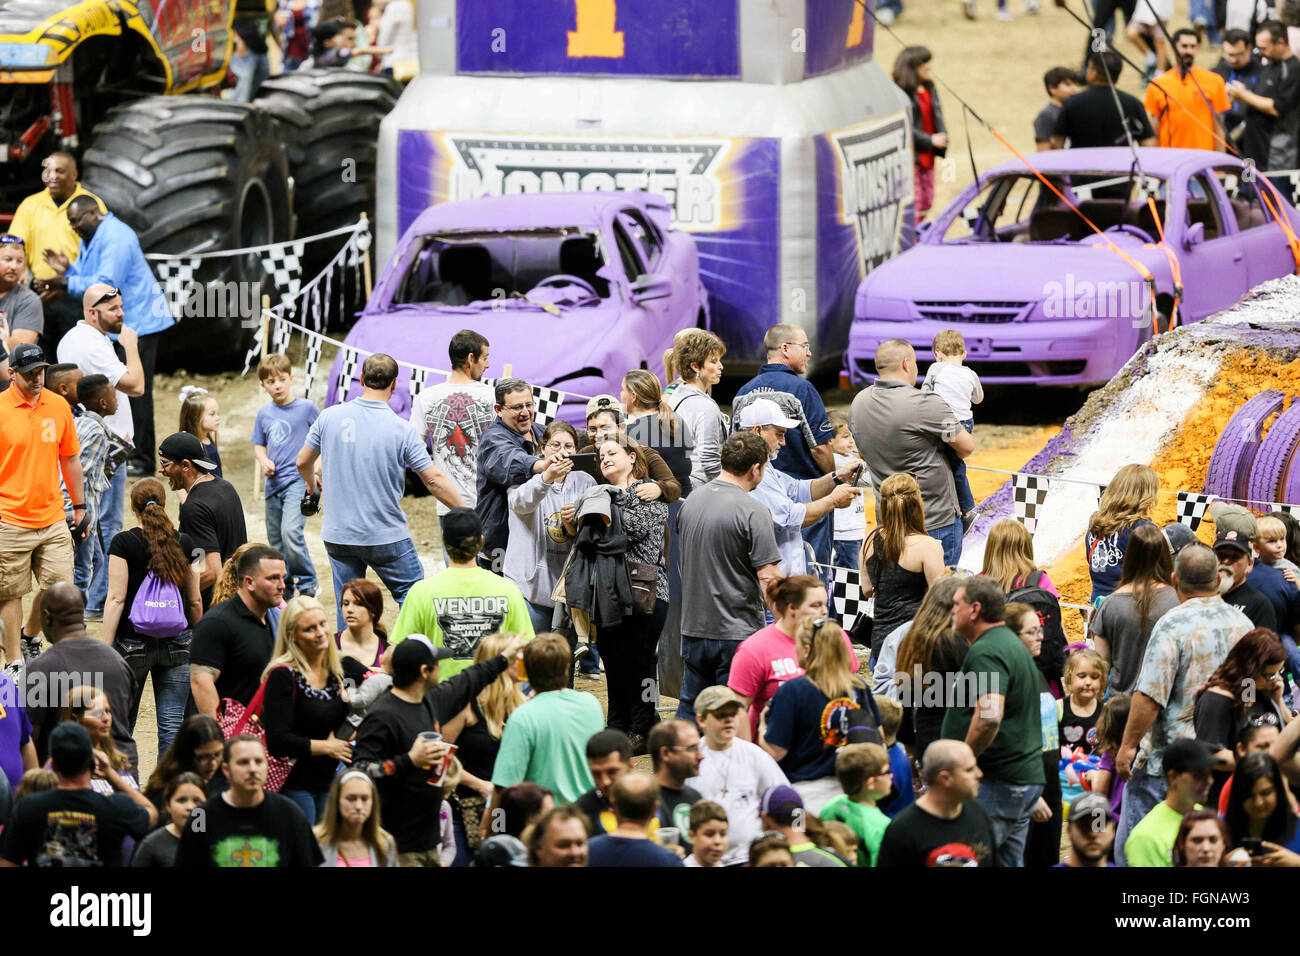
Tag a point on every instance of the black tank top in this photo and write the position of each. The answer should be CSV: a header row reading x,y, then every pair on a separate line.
x,y
898,594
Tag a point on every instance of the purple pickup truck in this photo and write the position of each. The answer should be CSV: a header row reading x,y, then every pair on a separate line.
x,y
1039,296
571,289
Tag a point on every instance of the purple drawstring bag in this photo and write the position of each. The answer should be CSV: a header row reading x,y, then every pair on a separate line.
x,y
157,610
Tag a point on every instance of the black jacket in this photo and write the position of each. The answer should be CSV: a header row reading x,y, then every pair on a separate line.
x,y
596,580
920,138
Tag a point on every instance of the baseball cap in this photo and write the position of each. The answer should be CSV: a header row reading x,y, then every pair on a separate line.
x,y
780,802
461,524
1228,517
412,653
27,358
1232,539
70,747
182,446
1088,807
1188,753
713,698
602,402
763,411
501,850
595,501
1179,536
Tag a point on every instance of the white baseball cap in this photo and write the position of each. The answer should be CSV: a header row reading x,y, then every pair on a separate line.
x,y
761,412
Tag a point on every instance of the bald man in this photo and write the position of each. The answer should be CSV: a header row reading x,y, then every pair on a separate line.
x,y
110,254
946,826
74,659
901,429
88,347
635,799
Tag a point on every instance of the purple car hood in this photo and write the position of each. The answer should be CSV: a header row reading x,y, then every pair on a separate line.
x,y
1004,271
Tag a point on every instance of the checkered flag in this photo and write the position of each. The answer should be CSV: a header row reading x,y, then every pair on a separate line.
x,y
176,275
280,333
1192,508
1028,492
419,376
846,595
284,263
314,344
548,401
348,370
254,350
1292,510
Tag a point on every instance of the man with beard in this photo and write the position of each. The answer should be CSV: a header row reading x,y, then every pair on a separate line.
x,y
1186,647
1091,828
1248,127
1232,548
1184,103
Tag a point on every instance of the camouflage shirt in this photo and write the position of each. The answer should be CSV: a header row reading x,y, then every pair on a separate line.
x,y
1187,646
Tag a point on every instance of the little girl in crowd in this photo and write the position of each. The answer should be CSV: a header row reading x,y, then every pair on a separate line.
x,y
1110,735
182,794
201,417
1084,682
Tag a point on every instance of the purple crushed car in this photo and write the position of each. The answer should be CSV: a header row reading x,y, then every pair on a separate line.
x,y
571,289
1039,297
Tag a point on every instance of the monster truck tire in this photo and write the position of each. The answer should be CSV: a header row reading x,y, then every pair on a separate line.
x,y
1238,445
331,120
196,174
1276,452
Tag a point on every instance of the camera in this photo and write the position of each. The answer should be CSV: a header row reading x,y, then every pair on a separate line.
x,y
310,503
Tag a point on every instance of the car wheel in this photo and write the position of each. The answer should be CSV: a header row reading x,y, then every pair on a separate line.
x,y
1278,452
195,174
1238,445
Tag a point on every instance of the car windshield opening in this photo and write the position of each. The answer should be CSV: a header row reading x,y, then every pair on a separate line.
x,y
457,268
1020,208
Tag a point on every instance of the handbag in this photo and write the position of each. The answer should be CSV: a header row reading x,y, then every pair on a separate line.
x,y
236,719
642,578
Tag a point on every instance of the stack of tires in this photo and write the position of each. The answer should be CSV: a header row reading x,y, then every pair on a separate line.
x,y
1257,456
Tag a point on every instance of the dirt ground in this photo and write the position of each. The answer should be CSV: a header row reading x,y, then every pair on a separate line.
x,y
995,66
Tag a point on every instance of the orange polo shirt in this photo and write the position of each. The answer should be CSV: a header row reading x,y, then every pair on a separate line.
x,y
1177,126
33,437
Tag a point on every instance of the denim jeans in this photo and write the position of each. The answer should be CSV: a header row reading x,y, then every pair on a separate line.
x,y
848,554
1009,805
397,565
706,662
251,70
90,554
284,524
110,523
821,535
167,661
965,500
541,616
1141,794
950,537
311,804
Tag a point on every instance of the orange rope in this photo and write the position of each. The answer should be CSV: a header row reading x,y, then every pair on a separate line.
x,y
1175,270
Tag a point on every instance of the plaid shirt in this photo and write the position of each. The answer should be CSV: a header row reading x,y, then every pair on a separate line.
x,y
92,433
1187,645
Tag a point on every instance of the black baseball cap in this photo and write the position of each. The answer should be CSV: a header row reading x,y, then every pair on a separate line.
x,y
461,524
182,446
412,653
1188,753
1231,538
70,748
27,358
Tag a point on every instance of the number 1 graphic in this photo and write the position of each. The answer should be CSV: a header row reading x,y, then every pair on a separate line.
x,y
595,34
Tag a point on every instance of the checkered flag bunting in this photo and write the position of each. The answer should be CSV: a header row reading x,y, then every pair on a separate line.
x,y
846,595
315,342
548,401
419,378
1028,492
176,275
1192,508
284,264
348,370
254,350
1292,510
280,332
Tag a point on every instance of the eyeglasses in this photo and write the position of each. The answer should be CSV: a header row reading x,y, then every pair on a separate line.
x,y
800,345
1263,720
695,747
526,407
110,294
8,239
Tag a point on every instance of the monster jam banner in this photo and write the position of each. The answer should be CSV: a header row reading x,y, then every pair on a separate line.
x,y
838,34
663,38
864,195
723,190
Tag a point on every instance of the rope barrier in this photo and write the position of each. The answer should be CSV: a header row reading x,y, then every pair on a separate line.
x,y
267,247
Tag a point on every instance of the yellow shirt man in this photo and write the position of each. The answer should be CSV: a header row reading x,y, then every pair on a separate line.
x,y
42,221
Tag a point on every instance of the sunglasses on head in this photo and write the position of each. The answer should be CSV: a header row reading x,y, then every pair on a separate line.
x,y
110,294
9,239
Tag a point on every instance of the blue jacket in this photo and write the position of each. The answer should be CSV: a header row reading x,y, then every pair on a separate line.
x,y
114,256
503,462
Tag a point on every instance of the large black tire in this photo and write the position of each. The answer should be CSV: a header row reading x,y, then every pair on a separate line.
x,y
331,120
193,174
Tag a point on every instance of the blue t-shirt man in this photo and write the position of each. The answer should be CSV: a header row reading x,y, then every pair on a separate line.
x,y
282,430
365,450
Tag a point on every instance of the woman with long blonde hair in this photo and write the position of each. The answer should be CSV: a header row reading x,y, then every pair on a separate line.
x,y
477,731
1125,504
1009,558
899,558
813,715
350,832
306,702
930,648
